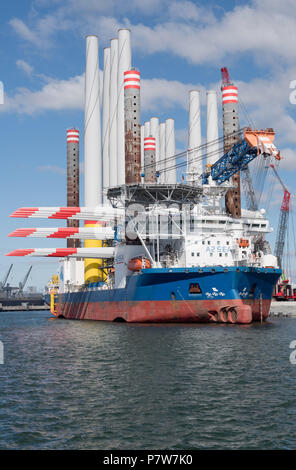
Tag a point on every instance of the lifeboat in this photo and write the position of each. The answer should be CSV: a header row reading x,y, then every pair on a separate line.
x,y
243,243
136,264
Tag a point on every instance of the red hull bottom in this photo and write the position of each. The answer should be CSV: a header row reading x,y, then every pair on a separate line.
x,y
192,311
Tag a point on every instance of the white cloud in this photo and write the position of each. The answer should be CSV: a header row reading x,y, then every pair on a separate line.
x,y
252,29
147,7
288,161
185,10
157,94
55,95
52,169
265,29
180,27
43,29
25,67
267,102
23,30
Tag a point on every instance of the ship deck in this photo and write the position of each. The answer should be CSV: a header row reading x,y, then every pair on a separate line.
x,y
146,194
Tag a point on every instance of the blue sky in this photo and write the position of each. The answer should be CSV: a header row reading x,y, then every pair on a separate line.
x,y
177,45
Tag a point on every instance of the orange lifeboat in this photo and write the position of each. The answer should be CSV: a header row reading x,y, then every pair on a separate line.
x,y
243,243
136,264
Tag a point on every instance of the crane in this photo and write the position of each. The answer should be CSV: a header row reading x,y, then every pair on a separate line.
x,y
283,222
3,283
225,76
24,281
254,143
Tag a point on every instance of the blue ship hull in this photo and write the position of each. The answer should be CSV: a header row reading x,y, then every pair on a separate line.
x,y
211,294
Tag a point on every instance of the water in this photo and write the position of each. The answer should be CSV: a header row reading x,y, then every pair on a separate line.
x,y
95,385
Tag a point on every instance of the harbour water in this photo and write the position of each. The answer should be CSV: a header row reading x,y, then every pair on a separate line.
x,y
95,385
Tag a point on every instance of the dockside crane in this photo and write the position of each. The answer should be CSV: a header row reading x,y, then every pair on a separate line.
x,y
24,281
283,222
283,289
3,283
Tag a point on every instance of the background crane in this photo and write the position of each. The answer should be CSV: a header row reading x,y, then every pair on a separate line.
x,y
283,222
5,279
24,281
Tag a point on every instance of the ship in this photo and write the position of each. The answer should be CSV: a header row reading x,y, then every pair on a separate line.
x,y
214,273
156,249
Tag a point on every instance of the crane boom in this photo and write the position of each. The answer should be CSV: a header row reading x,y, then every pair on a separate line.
x,y
248,190
225,76
283,222
3,283
23,283
254,143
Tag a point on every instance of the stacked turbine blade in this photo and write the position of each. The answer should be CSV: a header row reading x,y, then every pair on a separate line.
x,y
99,213
100,233
105,252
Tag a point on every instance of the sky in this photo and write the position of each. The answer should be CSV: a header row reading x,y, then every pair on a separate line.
x,y
177,45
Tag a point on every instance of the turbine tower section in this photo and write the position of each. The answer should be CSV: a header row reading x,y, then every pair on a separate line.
x,y
194,162
170,176
161,163
154,131
231,137
106,122
92,151
73,179
212,128
113,96
149,159
92,126
124,64
147,129
132,126
142,151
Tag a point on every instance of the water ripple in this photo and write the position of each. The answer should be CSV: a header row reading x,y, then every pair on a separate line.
x,y
95,385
